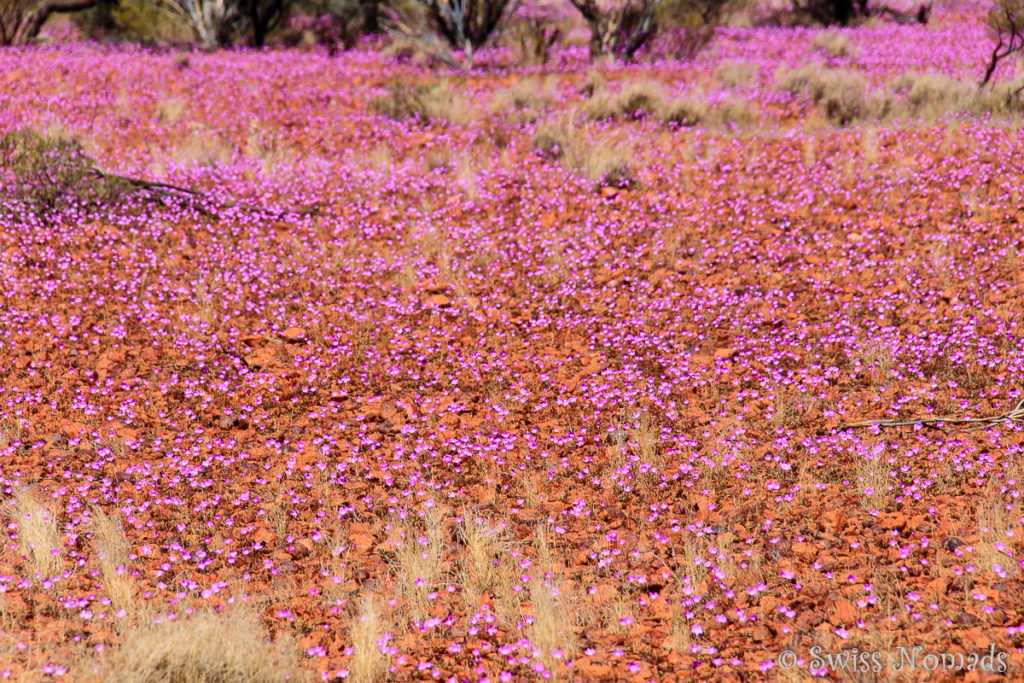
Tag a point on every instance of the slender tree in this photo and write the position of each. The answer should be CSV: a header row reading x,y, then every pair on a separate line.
x,y
619,28
1006,24
463,25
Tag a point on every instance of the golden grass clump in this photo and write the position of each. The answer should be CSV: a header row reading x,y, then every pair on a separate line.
x,y
368,664
686,110
835,44
111,547
642,97
840,93
436,100
734,73
552,627
528,97
603,163
479,567
418,563
38,537
204,647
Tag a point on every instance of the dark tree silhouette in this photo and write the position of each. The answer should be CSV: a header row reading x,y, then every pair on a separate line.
x,y
1006,23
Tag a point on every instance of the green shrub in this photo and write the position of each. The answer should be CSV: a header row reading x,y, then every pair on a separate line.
x,y
48,173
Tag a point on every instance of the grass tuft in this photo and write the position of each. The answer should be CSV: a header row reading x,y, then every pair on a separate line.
x,y
111,548
38,538
204,647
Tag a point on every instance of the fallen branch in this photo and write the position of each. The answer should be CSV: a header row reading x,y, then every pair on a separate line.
x,y
1016,414
140,184
165,188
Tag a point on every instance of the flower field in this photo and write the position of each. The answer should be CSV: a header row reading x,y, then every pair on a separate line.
x,y
528,373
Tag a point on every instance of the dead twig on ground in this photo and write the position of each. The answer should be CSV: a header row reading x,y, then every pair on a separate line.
x,y
1016,414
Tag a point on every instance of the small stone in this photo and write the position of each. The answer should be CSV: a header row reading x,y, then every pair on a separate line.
x,y
294,335
952,543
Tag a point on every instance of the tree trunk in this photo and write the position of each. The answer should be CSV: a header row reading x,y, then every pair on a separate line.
x,y
34,22
371,15
604,36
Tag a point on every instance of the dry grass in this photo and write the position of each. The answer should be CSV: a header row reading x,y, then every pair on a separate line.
x,y
554,617
479,567
169,109
679,636
840,93
930,96
686,110
368,664
927,96
418,563
593,83
869,145
996,526
111,547
528,97
204,647
604,163
876,362
835,44
202,148
734,113
437,100
734,73
645,441
639,98
38,537
642,97
872,477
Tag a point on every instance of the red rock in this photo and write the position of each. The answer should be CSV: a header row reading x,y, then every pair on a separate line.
x,y
726,353
592,670
834,521
294,335
846,612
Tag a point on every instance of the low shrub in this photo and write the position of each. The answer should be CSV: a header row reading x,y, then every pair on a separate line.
x,y
835,44
436,100
734,73
686,111
204,647
49,173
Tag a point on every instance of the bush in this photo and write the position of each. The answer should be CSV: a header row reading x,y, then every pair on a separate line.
x,y
685,111
204,647
835,44
928,96
421,101
644,97
840,93
553,140
604,165
733,113
133,20
527,95
692,23
50,173
734,73
534,35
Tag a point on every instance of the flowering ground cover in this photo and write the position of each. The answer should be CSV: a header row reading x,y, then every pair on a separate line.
x,y
436,400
